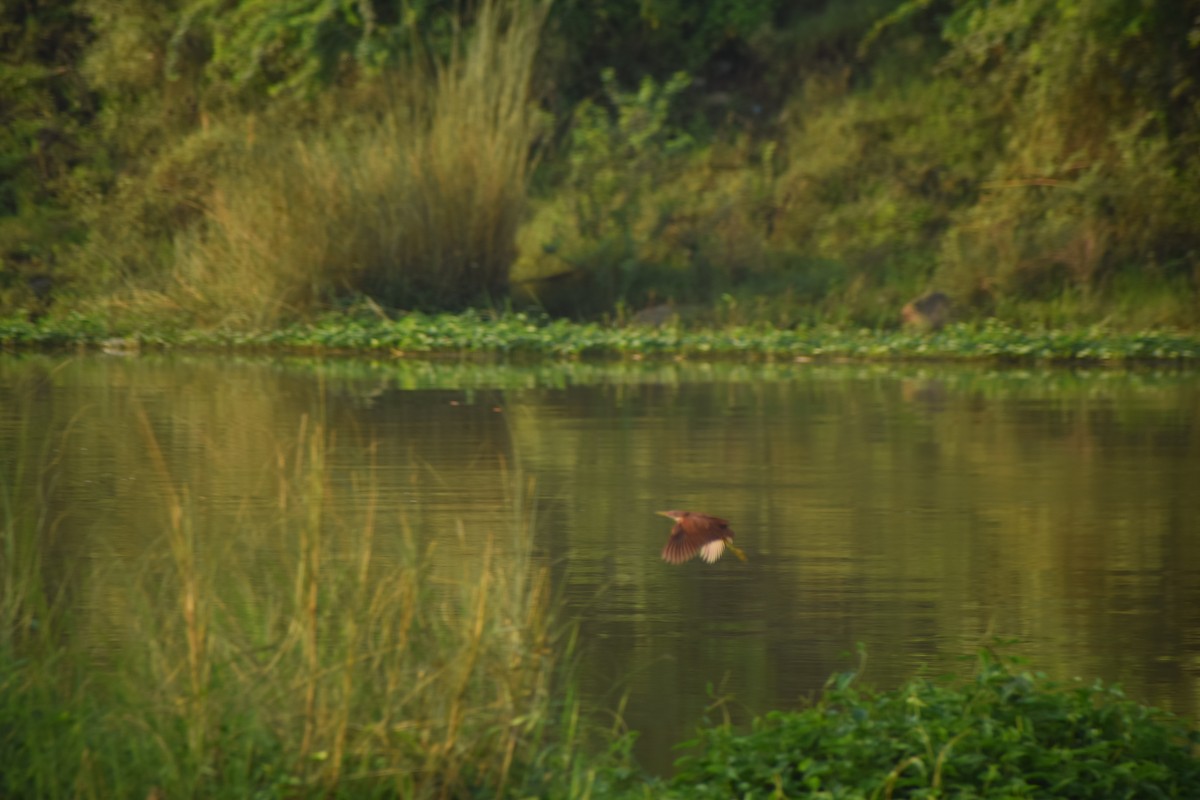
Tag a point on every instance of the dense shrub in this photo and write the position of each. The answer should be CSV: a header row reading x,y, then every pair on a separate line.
x,y
1005,733
822,162
1097,174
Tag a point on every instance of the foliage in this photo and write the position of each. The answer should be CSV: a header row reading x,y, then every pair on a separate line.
x,y
872,183
308,655
44,136
594,231
297,49
256,47
416,206
824,162
45,107
656,39
523,334
1007,732
1101,110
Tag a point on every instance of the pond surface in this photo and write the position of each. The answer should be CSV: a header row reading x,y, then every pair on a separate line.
x,y
919,511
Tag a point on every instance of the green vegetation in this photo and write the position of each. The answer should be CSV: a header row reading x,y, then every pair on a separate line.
x,y
519,334
326,652
1006,732
321,648
241,165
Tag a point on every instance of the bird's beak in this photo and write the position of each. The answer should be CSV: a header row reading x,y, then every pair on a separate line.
x,y
666,514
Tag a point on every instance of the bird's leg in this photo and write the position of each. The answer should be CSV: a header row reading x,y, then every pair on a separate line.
x,y
737,551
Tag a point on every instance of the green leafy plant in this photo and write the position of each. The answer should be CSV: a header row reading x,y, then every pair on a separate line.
x,y
1072,204
620,148
1006,732
487,334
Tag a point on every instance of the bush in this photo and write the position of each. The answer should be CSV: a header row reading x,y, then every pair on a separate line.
x,y
594,234
417,205
1005,733
1096,175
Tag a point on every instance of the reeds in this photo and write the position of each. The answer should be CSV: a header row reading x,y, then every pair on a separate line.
x,y
417,204
323,653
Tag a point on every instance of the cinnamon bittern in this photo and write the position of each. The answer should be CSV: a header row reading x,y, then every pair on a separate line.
x,y
697,533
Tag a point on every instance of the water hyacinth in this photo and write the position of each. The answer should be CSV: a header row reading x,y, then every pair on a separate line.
x,y
537,336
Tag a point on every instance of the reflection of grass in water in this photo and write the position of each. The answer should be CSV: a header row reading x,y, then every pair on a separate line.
x,y
303,661
297,661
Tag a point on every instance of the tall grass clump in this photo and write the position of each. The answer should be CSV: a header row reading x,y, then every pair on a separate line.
x,y
33,726
330,652
416,204
24,602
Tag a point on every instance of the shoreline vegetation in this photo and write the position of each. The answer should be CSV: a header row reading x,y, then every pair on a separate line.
x,y
306,655
311,656
537,336
235,166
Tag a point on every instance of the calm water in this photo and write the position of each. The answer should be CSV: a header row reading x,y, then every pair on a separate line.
x,y
918,511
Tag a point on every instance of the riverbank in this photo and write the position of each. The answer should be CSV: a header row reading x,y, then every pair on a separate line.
x,y
476,333
798,164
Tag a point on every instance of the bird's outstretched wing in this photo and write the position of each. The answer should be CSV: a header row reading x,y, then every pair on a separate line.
x,y
680,547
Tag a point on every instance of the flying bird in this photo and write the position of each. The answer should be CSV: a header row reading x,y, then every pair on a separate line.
x,y
697,533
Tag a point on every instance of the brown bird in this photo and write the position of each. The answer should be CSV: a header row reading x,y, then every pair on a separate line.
x,y
697,533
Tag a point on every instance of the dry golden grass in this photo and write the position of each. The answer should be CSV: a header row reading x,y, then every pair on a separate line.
x,y
418,206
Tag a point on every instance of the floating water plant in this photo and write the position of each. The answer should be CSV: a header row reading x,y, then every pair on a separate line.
x,y
530,335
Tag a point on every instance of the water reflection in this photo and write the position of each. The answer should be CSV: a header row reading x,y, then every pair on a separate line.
x,y
914,510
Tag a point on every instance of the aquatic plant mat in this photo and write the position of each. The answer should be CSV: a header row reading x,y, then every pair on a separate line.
x,y
538,336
